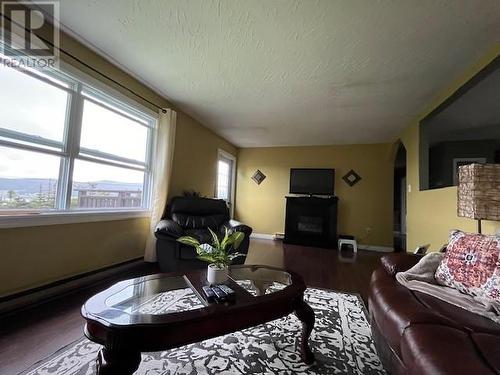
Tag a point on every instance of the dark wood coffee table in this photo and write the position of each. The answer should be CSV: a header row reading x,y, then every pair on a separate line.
x,y
164,311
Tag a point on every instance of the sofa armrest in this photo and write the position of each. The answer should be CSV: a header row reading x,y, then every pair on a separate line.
x,y
394,263
236,226
168,228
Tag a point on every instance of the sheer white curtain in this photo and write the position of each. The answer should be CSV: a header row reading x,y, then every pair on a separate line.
x,y
162,165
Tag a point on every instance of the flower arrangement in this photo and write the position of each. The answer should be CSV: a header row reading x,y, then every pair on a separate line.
x,y
217,252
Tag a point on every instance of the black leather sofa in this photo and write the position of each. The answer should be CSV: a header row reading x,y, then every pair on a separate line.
x,y
192,216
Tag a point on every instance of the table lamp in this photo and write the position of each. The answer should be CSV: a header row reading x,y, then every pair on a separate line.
x,y
479,192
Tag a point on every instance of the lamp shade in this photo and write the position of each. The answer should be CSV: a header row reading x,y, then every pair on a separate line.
x,y
479,191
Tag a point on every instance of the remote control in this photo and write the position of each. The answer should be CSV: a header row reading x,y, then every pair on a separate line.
x,y
230,293
209,293
220,296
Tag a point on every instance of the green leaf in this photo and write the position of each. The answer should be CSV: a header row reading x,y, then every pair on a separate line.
x,y
235,255
200,250
238,238
188,240
216,242
206,258
224,243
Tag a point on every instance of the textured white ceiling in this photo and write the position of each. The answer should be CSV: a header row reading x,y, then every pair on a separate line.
x,y
267,73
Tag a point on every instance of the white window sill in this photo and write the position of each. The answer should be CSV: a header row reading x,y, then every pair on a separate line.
x,y
68,217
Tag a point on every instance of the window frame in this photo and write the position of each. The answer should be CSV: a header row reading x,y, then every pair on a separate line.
x,y
82,87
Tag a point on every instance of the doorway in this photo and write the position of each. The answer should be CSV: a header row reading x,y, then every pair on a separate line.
x,y
400,209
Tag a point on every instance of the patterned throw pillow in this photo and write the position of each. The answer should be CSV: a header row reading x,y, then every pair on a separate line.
x,y
471,265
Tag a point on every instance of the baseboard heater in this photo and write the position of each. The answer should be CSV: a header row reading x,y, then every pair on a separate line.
x,y
28,298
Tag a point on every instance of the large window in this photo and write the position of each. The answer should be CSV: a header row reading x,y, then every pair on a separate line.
x,y
67,145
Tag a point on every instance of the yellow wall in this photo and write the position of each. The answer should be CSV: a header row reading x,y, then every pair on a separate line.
x,y
367,204
39,255
433,213
195,157
35,256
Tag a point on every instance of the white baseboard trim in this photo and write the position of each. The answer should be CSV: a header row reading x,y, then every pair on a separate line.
x,y
382,249
262,236
38,296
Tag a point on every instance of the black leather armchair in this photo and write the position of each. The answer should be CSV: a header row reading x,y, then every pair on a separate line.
x,y
192,216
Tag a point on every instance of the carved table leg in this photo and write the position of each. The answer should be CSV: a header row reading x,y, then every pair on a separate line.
x,y
117,363
306,315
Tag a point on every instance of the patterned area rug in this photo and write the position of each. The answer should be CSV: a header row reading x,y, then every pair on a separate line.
x,y
341,341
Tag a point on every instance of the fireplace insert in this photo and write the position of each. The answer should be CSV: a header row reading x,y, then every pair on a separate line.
x,y
311,221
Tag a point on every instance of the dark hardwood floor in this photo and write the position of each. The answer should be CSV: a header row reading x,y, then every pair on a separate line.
x,y
324,269
33,334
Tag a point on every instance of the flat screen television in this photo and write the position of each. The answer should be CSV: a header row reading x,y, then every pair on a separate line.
x,y
313,181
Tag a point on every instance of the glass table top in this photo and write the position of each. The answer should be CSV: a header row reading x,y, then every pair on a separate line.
x,y
165,295
157,296
259,280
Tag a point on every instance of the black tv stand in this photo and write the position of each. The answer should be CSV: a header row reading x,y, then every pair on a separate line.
x,y
311,221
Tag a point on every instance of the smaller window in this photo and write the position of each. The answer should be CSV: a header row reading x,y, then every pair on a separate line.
x,y
226,174
223,180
